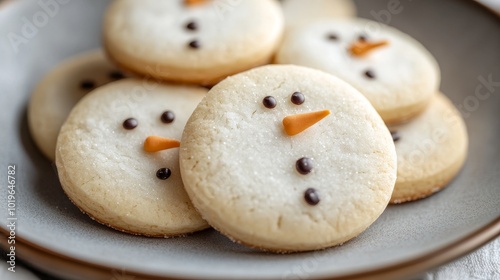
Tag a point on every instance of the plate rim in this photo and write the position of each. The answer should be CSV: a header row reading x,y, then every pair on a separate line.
x,y
42,258
50,261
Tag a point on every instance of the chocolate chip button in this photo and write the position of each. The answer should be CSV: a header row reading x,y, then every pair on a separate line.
x,y
194,44
163,173
370,74
311,196
192,26
304,165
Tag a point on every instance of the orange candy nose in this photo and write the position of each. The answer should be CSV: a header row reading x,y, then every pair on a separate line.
x,y
194,2
295,124
361,48
157,143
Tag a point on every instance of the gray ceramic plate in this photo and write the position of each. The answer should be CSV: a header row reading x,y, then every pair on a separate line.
x,y
408,238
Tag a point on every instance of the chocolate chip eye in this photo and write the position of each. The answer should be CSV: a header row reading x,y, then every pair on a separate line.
x,y
116,75
191,25
163,173
167,117
269,102
370,74
130,123
362,37
332,37
194,44
395,136
298,98
304,165
311,196
87,84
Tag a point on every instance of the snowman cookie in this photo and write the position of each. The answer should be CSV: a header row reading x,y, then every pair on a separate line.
x,y
395,72
299,12
60,90
200,41
117,157
286,158
431,150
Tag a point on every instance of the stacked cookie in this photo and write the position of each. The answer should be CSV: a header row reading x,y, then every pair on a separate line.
x,y
192,41
279,157
401,79
117,151
287,158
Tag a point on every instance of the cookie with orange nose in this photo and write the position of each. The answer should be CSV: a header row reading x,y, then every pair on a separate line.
x,y
60,89
394,71
286,158
192,41
431,150
117,157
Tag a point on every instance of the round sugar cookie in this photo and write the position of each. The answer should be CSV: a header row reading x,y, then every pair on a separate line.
x,y
117,157
60,90
394,71
200,41
431,150
299,12
286,158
